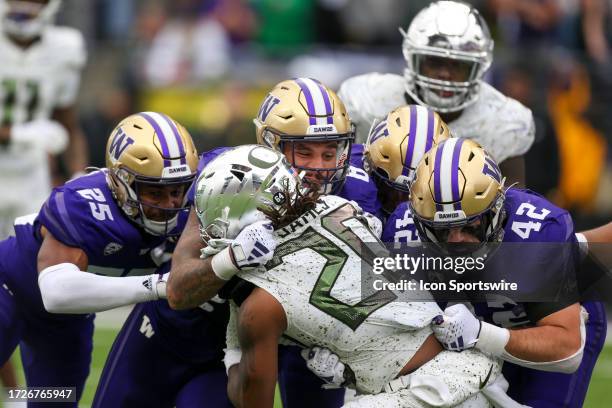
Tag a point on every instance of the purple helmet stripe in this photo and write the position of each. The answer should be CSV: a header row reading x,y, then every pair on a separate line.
x,y
411,139
177,136
430,130
309,101
437,186
160,136
327,102
455,174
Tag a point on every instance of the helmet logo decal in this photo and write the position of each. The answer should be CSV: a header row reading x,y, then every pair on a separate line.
x,y
318,102
446,175
491,169
266,107
120,142
379,131
169,138
263,157
279,198
420,136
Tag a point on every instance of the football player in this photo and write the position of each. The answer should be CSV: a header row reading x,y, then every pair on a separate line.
x,y
458,181
393,149
39,75
307,122
448,49
318,252
93,246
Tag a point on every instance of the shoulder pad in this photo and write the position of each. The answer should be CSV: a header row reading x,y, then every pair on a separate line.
x,y
502,125
81,217
68,43
371,96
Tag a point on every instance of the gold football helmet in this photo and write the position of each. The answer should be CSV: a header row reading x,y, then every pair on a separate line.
x,y
304,110
150,149
395,146
458,185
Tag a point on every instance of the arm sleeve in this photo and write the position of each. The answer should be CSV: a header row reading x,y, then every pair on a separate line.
x,y
66,289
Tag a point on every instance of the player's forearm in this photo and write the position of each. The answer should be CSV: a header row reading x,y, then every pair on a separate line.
x,y
544,343
66,289
246,390
233,386
192,282
599,234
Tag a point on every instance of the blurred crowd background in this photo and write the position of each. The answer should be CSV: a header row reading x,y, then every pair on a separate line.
x,y
209,63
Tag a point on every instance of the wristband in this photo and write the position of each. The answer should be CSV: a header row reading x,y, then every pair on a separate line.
x,y
223,265
231,358
492,339
160,286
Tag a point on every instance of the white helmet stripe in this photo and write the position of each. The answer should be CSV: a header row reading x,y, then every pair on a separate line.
x,y
446,170
421,136
168,135
318,100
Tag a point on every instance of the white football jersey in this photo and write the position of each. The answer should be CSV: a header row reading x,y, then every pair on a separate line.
x,y
316,276
502,125
33,82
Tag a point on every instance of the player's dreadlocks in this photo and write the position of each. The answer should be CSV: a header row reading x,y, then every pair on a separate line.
x,y
298,204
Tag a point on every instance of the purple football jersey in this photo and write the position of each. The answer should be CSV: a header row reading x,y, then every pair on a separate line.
x,y
400,227
531,218
83,214
359,187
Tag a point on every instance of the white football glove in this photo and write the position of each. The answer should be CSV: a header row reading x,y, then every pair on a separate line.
x,y
156,284
253,247
457,329
326,365
51,135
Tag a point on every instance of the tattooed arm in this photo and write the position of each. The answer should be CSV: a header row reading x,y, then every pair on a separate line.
x,y
192,280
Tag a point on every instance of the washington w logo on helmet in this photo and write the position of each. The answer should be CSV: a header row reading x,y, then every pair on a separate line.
x,y
118,146
491,168
266,107
378,131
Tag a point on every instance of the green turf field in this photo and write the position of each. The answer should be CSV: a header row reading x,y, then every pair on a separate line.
x,y
598,396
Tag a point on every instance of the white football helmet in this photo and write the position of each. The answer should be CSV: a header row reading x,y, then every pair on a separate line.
x,y
452,34
26,19
235,185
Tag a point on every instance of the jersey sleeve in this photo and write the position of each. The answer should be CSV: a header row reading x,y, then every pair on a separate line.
x,y
79,221
516,131
74,53
360,188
